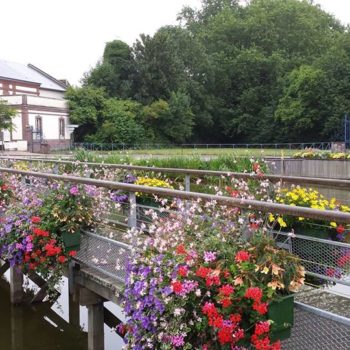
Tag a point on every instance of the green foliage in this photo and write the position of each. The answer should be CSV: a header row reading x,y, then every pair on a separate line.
x,y
281,65
120,124
115,72
300,107
6,115
66,210
86,109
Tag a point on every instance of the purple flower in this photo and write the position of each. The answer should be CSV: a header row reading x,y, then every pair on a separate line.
x,y
91,190
74,191
178,340
130,179
209,256
119,198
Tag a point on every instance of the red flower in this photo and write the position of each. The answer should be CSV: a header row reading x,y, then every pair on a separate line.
x,y
238,335
226,302
209,309
233,193
72,253
343,260
226,273
256,166
216,321
254,226
61,259
261,308
340,229
226,290
330,272
241,256
225,335
183,271
212,281
35,219
40,233
203,272
180,250
52,250
235,318
261,328
177,287
254,293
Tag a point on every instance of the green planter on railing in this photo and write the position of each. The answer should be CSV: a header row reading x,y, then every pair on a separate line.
x,y
281,312
147,201
71,241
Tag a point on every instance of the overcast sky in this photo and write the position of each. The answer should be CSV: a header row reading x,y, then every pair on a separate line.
x,y
66,37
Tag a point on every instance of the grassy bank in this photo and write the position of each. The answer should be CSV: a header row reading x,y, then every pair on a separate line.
x,y
237,152
223,162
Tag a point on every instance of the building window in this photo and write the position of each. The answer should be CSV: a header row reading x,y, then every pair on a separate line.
x,y
38,127
61,127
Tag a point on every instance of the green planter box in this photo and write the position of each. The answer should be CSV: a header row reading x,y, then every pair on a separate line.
x,y
281,312
71,241
148,202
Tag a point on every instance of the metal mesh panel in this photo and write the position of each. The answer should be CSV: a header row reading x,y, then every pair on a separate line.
x,y
323,258
315,332
104,255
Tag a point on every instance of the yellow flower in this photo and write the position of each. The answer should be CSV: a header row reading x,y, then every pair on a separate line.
x,y
281,222
265,270
271,218
333,224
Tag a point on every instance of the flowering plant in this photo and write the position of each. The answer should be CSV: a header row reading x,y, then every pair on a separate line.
x,y
67,209
311,154
152,182
5,193
31,249
198,285
310,198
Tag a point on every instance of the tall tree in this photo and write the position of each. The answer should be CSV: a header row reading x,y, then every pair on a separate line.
x,y
86,106
115,72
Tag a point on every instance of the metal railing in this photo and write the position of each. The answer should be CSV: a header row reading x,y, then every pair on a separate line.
x,y
339,183
145,146
268,207
104,255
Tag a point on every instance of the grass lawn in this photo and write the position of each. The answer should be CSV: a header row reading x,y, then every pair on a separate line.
x,y
174,152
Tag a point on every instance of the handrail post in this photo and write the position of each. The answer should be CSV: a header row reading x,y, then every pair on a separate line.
x,y
132,219
16,285
55,168
188,183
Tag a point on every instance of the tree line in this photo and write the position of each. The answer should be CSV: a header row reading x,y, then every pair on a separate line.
x,y
265,71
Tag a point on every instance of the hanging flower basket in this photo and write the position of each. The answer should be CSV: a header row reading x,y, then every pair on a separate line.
x,y
71,241
281,312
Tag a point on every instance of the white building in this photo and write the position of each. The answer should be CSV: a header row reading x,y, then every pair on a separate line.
x,y
42,112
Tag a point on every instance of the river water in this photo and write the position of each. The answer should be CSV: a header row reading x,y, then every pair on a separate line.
x,y
46,327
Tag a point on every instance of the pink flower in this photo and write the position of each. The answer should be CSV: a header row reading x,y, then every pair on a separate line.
x,y
178,340
209,256
74,191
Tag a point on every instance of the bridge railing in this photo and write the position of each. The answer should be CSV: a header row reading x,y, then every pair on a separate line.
x,y
319,254
189,173
145,146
